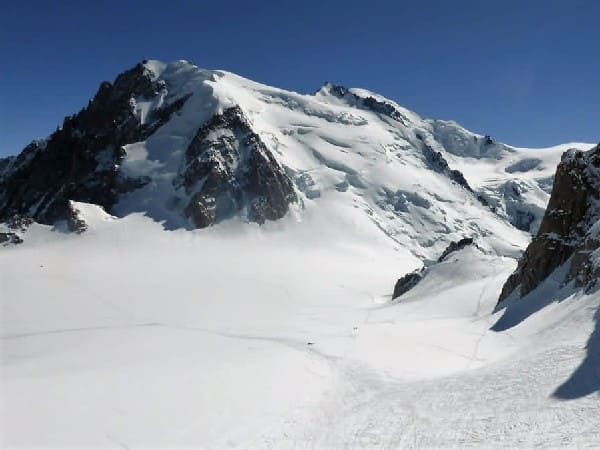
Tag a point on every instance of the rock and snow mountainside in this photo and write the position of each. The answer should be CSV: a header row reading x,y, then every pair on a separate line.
x,y
562,264
192,147
229,277
569,232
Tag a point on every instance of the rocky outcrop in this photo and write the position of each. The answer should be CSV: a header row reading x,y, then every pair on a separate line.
x,y
75,222
454,247
410,280
407,282
80,160
18,222
7,238
369,103
568,232
13,229
4,164
438,163
228,168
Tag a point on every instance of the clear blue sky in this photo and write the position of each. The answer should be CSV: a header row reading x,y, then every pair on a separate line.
x,y
526,72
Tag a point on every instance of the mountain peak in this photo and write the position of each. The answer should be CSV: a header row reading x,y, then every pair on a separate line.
x,y
191,147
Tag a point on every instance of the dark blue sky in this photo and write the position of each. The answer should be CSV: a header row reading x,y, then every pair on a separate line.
x,y
526,72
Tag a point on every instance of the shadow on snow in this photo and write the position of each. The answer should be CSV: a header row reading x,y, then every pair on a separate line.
x,y
585,380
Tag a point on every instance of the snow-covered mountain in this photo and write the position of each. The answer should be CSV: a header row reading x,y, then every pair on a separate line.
x,y
228,279
191,147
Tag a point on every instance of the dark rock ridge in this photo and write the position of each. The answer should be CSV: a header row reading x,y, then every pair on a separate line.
x,y
75,222
454,247
4,164
438,163
229,168
19,223
369,103
567,233
16,226
9,237
410,280
407,282
80,160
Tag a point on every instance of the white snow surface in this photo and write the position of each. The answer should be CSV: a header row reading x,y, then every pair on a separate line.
x,y
139,334
280,336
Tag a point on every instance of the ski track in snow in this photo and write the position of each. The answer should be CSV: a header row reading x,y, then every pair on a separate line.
x,y
268,358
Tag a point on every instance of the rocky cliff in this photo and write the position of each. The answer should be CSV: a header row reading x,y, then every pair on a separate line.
x,y
226,167
80,160
569,232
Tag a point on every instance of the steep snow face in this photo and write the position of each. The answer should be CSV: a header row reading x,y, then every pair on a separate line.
x,y
515,182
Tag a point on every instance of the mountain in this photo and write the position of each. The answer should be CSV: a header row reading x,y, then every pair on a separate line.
x,y
197,260
191,147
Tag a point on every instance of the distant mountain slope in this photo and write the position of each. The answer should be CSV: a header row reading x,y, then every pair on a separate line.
x,y
192,147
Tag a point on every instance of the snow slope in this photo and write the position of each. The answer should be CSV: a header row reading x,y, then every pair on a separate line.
x,y
280,336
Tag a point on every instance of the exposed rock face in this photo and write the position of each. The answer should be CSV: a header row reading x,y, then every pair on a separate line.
x,y
4,164
75,222
226,169
229,168
410,280
370,103
454,247
7,238
13,229
568,229
19,223
406,283
439,164
80,161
